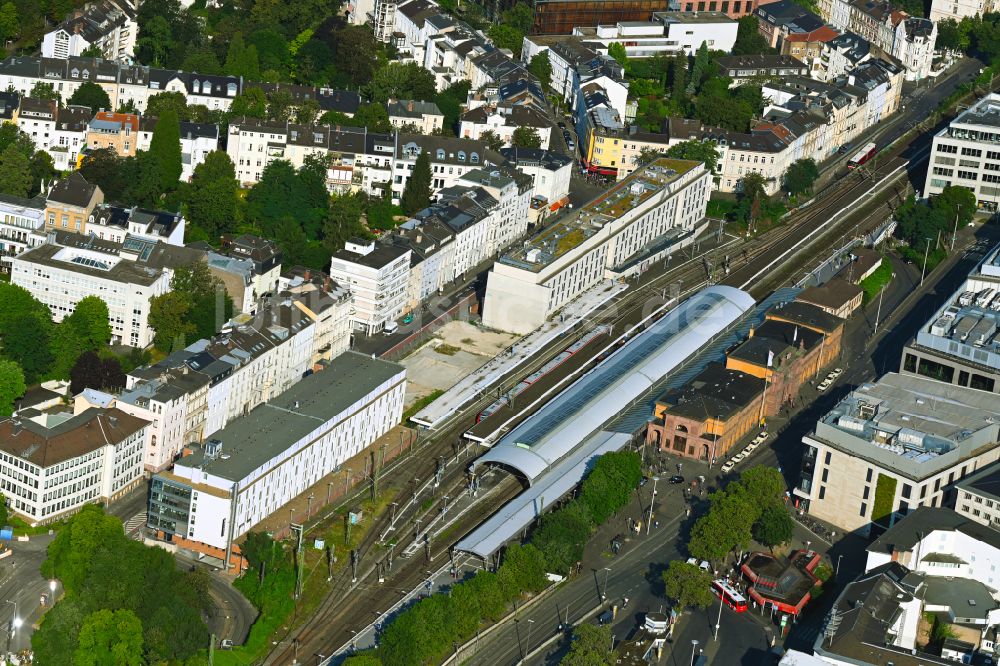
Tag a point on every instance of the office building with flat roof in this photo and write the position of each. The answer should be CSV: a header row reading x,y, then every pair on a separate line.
x,y
960,343
967,153
260,462
893,446
978,497
642,219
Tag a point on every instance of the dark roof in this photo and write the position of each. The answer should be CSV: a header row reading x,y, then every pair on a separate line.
x,y
757,350
906,533
344,101
74,191
806,314
758,62
382,255
985,482
788,333
833,294
716,392
532,157
96,19
81,434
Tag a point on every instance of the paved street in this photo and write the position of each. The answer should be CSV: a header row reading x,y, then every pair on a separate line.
x,y
22,584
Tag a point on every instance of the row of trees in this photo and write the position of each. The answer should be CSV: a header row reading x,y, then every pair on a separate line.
x,y
428,631
125,603
22,168
746,510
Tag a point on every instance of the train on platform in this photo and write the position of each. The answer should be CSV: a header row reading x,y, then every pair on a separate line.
x,y
862,156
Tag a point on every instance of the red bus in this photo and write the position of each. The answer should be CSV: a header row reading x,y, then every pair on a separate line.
x,y
862,156
729,596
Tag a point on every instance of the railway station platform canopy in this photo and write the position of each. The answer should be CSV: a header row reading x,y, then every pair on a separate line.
x,y
554,447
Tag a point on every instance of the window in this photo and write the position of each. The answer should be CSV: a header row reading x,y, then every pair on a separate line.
x,y
864,494
826,474
907,489
963,378
440,154
938,171
868,476
967,175
982,383
945,148
972,152
822,492
828,457
864,509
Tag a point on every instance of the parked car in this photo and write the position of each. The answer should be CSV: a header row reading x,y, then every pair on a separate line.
x,y
738,457
728,466
837,372
676,478
824,385
761,438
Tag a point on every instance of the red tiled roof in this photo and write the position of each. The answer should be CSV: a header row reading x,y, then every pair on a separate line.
x,y
821,34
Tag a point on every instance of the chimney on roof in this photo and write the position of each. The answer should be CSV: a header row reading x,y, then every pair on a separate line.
x,y
15,427
113,421
409,106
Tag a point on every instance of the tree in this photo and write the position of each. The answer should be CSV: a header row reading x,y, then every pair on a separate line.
x,y
450,102
44,90
617,51
774,527
953,35
373,116
541,67
104,168
526,137
357,54
306,112
26,342
250,103
15,172
702,61
609,485
417,193
10,23
12,386
241,59
213,198
801,176
591,646
491,139
168,316
272,50
752,186
956,203
688,585
165,148
85,373
506,37
402,81
65,348
91,95
678,79
89,320
42,169
700,151
763,486
202,59
749,41
159,103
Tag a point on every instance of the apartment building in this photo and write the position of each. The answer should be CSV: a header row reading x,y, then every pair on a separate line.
x,y
117,223
377,276
70,202
504,121
451,158
51,464
258,463
116,131
892,446
977,497
196,391
550,173
746,68
907,38
109,26
415,116
958,9
404,24
966,153
21,223
60,131
641,219
71,266
777,21
667,34
265,257
960,343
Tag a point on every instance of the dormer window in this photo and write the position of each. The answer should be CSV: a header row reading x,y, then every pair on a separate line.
x,y
440,154
86,74
474,158
75,73
232,90
196,86
461,156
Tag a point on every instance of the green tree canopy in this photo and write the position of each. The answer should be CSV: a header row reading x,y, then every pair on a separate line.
x,y
591,646
26,342
357,55
417,193
617,51
801,176
526,137
12,386
251,103
541,67
44,90
688,585
15,172
91,95
700,151
104,168
491,139
10,23
159,103
749,41
110,638
774,527
89,320
213,197
398,80
956,203
165,148
242,59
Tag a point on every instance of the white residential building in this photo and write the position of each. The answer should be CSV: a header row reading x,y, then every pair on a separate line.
x,y
71,267
21,220
641,219
959,9
60,131
422,117
54,463
966,153
504,121
668,34
550,173
450,158
512,191
255,465
378,278
110,26
877,456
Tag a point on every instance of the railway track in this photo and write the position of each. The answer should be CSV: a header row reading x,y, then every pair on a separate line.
x,y
329,627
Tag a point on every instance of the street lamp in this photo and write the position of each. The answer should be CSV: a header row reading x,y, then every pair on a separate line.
x,y
651,502
604,594
718,620
923,271
694,648
527,640
836,573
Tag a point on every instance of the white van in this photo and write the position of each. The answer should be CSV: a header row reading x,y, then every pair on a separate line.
x,y
390,327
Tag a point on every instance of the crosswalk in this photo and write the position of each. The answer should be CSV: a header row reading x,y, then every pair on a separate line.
x,y
134,525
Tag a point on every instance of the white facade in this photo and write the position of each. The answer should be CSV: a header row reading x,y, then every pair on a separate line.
x,y
967,154
109,461
959,9
197,141
102,24
318,429
668,34
20,220
378,277
527,286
